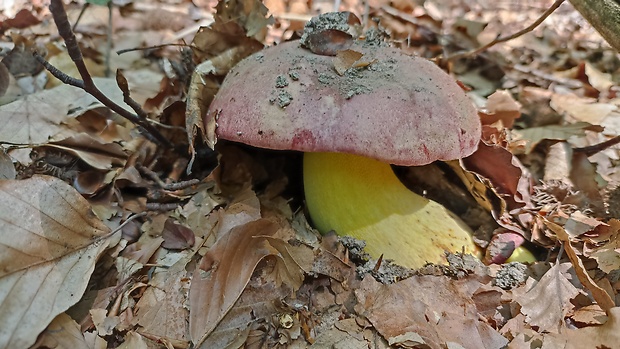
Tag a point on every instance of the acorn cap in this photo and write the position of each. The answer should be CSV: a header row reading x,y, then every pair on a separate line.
x,y
387,105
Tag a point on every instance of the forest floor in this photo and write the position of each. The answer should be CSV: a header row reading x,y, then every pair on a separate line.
x,y
133,233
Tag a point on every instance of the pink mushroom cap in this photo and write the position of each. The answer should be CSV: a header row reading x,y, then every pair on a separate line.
x,y
398,109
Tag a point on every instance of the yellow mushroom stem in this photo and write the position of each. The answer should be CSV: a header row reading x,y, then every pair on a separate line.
x,y
363,198
521,255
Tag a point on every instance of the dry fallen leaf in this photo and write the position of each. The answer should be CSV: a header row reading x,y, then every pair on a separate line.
x,y
345,59
581,109
177,237
63,333
224,272
430,311
92,151
600,296
548,301
501,106
606,336
50,242
159,310
39,117
535,135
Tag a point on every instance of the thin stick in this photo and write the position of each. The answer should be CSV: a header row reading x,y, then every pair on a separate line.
x,y
108,48
499,39
593,149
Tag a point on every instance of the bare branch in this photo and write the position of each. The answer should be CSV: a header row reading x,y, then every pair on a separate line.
x,y
499,39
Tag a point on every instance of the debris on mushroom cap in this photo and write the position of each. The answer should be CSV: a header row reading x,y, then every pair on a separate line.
x,y
397,108
331,32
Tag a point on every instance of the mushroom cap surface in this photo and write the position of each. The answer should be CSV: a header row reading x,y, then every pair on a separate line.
x,y
395,108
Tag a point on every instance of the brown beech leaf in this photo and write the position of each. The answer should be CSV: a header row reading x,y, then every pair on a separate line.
x,y
505,172
259,301
608,255
328,42
39,117
601,297
429,311
49,243
547,303
346,59
94,152
177,237
534,135
501,106
223,274
331,32
252,15
63,332
582,109
605,336
158,310
4,79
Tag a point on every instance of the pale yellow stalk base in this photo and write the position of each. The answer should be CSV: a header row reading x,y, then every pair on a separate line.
x,y
363,198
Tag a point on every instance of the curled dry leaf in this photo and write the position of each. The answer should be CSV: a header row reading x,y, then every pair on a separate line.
x,y
329,33
49,243
94,152
599,80
510,179
251,15
203,86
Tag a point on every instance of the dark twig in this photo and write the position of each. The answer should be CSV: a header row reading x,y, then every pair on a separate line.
x,y
69,80
64,29
152,175
499,39
181,185
593,149
156,206
154,47
122,83
82,11
108,48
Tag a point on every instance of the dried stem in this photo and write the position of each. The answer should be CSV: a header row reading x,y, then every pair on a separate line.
x,y
499,39
593,149
64,29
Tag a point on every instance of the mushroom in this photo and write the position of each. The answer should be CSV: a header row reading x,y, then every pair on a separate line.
x,y
387,108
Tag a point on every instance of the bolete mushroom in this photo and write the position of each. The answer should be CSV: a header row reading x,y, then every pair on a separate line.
x,y
388,108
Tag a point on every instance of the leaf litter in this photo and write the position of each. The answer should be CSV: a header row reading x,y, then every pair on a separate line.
x,y
215,250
